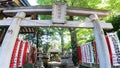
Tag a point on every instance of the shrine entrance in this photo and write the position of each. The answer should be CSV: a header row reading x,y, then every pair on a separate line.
x,y
58,12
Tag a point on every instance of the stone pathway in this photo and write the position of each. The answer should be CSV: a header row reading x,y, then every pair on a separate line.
x,y
54,64
69,64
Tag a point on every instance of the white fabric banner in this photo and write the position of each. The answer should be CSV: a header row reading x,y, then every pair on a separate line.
x,y
89,49
91,53
115,47
83,55
87,53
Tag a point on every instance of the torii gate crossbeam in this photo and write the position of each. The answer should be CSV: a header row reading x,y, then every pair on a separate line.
x,y
48,23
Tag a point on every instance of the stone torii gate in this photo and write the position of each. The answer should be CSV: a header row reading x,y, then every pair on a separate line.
x,y
59,12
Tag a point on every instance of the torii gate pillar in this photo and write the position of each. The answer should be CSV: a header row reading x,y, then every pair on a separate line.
x,y
9,40
102,49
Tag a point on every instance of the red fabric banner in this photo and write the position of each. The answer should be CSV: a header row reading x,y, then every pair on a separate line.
x,y
95,49
13,54
19,53
109,48
79,54
24,53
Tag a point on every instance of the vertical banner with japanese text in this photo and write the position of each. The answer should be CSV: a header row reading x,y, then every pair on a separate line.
x,y
115,48
87,53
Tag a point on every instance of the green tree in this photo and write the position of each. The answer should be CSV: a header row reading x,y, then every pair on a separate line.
x,y
84,35
115,20
60,31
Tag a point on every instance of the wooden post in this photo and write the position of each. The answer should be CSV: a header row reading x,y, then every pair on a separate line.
x,y
102,49
9,40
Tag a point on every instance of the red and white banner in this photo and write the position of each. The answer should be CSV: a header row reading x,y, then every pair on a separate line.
x,y
13,63
16,55
19,54
24,53
87,53
115,48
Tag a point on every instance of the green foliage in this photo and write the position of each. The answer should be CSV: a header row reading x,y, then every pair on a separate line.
x,y
45,2
67,46
48,2
44,17
30,37
114,5
46,37
98,4
118,33
115,20
2,30
84,35
83,3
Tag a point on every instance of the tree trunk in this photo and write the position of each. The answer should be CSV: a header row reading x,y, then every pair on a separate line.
x,y
73,44
62,39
